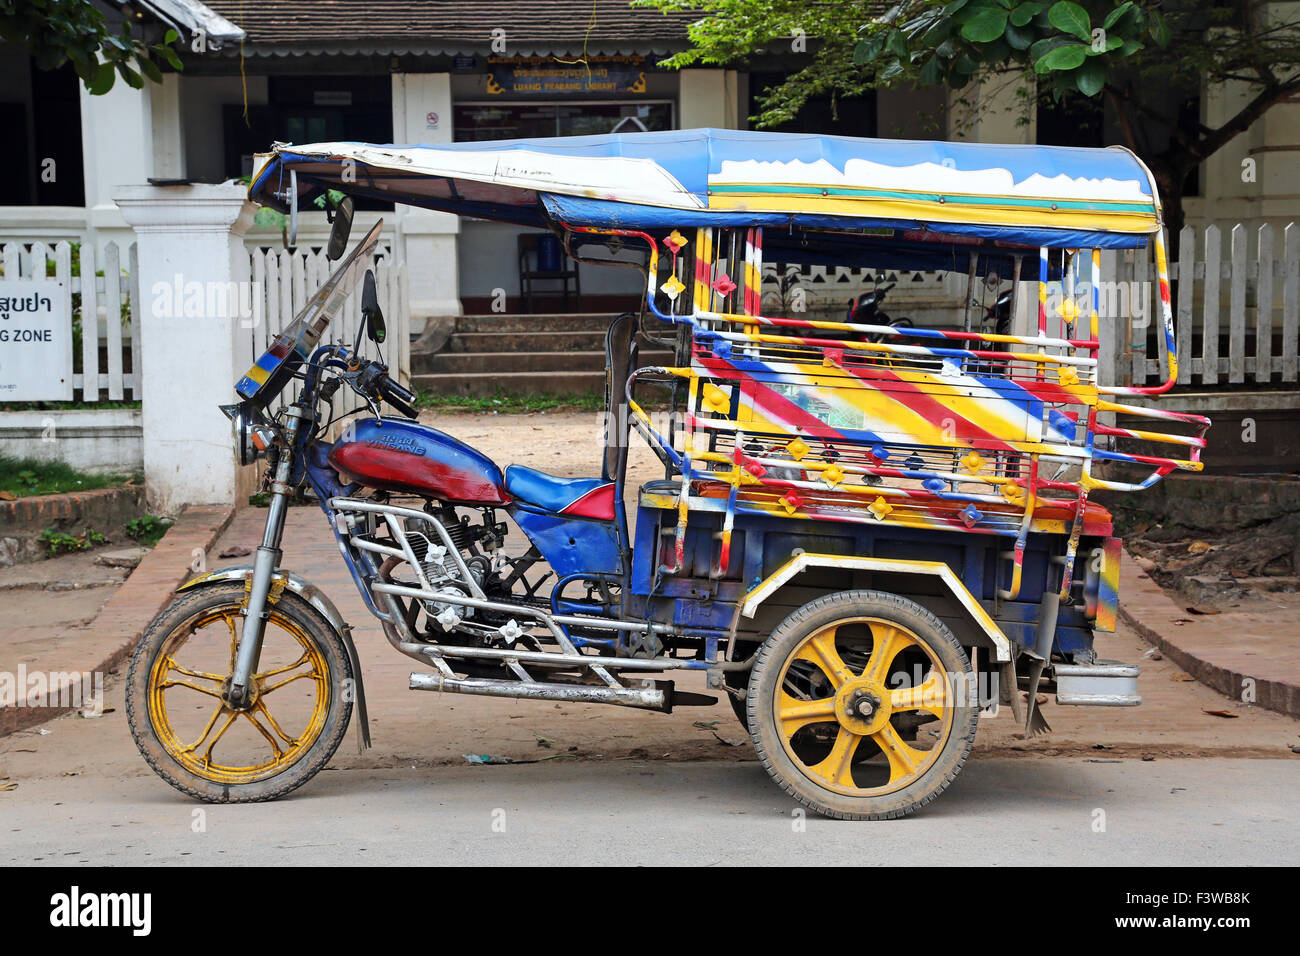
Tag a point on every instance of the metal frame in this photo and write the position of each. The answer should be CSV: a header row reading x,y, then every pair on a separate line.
x,y
802,561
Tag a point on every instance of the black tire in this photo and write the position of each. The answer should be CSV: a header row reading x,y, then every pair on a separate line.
x,y
865,611
327,723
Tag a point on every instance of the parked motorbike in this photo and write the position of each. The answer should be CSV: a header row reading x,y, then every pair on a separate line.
x,y
865,310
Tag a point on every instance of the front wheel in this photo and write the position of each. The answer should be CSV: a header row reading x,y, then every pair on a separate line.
x,y
859,705
296,717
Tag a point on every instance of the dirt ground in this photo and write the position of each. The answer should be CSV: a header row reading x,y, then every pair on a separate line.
x,y
412,729
1226,569
48,599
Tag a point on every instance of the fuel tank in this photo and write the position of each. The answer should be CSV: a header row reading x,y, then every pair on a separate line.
x,y
408,457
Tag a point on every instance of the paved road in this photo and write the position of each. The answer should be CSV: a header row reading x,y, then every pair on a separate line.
x,y
1001,811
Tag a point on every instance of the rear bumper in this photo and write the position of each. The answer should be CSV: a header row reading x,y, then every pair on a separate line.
x,y
1103,684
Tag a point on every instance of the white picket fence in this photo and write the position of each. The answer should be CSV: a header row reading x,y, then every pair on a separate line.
x,y
109,307
1251,296
287,279
109,310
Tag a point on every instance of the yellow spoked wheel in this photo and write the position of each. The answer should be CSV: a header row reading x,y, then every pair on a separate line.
x,y
856,705
296,714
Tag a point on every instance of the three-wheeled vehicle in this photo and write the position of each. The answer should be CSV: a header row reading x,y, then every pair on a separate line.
x,y
865,534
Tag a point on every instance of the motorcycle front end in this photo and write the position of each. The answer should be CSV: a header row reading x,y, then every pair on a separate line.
x,y
243,687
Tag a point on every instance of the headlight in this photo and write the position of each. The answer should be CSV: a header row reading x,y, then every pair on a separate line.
x,y
251,435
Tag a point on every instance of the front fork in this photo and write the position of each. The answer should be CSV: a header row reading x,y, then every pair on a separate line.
x,y
265,565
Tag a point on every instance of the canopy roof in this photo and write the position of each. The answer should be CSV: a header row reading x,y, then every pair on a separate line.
x,y
1031,195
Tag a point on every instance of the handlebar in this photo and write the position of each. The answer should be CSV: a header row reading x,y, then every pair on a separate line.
x,y
370,380
400,398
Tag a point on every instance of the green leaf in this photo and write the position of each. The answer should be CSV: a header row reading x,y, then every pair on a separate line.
x,y
1018,38
1160,31
1112,42
1041,48
986,25
1024,13
932,72
894,69
937,32
103,81
133,79
1114,16
268,218
1131,47
1065,57
867,50
1070,18
897,44
171,36
1091,78
150,69
996,51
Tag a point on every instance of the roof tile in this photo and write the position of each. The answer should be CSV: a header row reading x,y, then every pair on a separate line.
x,y
461,23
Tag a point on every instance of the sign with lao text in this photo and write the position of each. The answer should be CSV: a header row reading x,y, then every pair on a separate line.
x,y
35,341
548,76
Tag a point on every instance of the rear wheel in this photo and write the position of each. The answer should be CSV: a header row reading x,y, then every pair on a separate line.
x,y
299,708
858,705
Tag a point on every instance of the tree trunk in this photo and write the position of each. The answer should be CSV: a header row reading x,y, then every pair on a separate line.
x,y
1170,183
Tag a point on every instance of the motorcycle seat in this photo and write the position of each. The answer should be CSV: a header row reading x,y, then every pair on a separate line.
x,y
581,497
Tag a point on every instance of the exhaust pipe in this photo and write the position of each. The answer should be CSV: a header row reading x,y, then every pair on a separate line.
x,y
658,697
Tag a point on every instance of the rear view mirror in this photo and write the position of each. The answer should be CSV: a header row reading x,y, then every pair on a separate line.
x,y
371,314
341,229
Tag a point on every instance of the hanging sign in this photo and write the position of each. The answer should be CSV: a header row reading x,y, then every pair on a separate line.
x,y
547,76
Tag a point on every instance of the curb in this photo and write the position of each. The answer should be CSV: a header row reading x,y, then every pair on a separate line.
x,y
1217,660
109,639
23,519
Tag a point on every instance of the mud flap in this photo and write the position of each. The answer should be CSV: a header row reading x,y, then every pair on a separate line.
x,y
359,696
1035,723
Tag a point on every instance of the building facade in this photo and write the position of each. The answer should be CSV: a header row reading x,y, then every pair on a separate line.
x,y
435,71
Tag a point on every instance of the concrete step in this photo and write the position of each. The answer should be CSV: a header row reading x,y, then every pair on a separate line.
x,y
576,322
527,342
461,362
513,383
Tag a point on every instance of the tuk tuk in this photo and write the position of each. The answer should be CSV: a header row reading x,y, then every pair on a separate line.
x,y
867,533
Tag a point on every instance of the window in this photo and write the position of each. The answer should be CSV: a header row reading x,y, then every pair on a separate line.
x,y
309,109
41,110
1073,120
476,122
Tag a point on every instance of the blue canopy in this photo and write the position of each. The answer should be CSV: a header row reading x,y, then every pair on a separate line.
x,y
1030,195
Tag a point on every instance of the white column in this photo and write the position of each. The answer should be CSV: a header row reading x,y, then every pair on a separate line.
x,y
168,134
116,147
709,98
194,346
422,114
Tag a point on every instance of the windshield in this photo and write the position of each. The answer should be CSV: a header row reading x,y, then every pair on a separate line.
x,y
300,337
